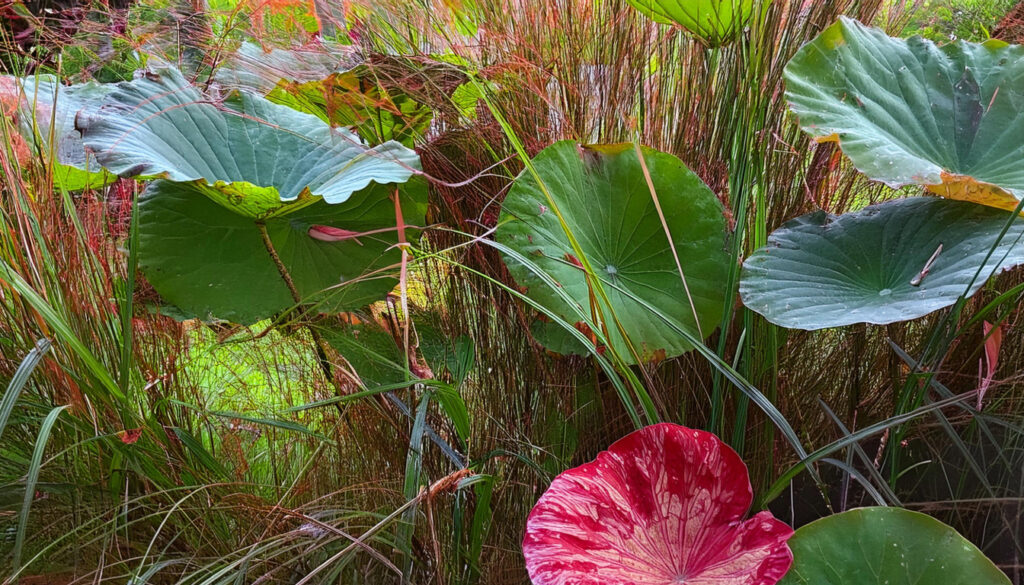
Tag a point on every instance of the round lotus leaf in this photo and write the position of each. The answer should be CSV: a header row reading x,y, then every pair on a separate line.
x,y
886,546
161,125
820,270
714,22
908,112
664,505
212,262
604,198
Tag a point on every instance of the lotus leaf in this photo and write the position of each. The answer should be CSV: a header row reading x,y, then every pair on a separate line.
x,y
45,111
886,546
664,505
908,112
212,262
879,265
604,198
714,22
332,83
253,68
246,153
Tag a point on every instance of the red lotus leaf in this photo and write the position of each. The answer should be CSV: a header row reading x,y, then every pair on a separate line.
x,y
662,506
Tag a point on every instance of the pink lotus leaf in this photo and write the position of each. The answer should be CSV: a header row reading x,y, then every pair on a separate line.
x,y
662,506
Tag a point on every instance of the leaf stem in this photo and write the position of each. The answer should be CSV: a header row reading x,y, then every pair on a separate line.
x,y
281,268
324,351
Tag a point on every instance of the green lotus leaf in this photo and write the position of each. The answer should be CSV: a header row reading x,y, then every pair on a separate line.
x,y
332,83
714,22
821,270
604,198
254,68
886,546
45,111
212,262
349,100
908,112
160,125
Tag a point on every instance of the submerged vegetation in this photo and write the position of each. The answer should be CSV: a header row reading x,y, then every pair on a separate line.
x,y
322,292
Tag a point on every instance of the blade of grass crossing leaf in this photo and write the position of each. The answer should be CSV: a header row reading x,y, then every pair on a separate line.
x,y
596,286
668,234
30,484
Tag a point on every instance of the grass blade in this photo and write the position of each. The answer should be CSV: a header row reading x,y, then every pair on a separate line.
x,y
20,378
30,484
413,473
